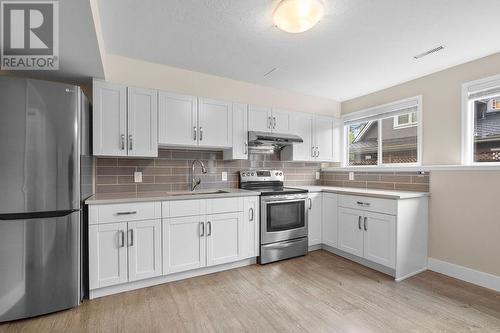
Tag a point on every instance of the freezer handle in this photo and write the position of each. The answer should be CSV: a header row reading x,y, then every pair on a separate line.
x,y
37,215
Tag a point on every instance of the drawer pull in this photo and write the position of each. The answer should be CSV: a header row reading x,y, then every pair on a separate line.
x,y
361,203
127,213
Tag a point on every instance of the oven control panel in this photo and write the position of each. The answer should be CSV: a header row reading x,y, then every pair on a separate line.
x,y
261,175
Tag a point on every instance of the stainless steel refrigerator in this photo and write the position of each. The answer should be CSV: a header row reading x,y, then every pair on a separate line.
x,y
45,174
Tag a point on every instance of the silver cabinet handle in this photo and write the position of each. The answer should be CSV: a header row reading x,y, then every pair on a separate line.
x,y
361,203
122,237
246,147
365,222
269,122
201,133
130,142
359,222
313,152
209,228
202,229
317,151
310,203
130,236
127,213
251,214
195,129
122,141
274,125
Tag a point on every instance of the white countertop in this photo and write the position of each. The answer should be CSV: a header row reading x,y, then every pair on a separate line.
x,y
388,194
113,198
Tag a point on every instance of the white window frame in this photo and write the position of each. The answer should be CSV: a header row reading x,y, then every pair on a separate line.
x,y
411,122
468,118
380,112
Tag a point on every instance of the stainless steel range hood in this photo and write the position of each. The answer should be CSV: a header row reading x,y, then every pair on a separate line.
x,y
267,141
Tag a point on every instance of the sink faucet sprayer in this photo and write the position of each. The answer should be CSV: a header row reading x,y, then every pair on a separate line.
x,y
197,180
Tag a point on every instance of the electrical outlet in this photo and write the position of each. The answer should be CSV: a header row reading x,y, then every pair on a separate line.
x,y
351,175
224,176
317,175
138,177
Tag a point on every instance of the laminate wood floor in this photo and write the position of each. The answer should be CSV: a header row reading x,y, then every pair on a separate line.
x,y
317,293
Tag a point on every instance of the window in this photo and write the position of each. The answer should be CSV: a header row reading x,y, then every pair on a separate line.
x,y
481,121
384,135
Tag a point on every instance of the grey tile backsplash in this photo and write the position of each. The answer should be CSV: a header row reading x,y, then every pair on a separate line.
x,y
171,171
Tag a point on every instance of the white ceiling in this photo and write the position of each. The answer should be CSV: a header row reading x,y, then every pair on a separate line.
x,y
359,47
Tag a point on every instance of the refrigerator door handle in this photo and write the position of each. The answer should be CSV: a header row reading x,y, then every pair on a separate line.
x,y
37,215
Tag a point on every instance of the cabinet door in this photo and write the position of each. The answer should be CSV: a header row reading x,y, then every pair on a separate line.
x,y
107,254
351,231
224,236
281,121
302,125
250,241
142,122
183,244
314,218
380,238
177,119
323,134
109,119
259,118
144,249
240,132
215,123
329,222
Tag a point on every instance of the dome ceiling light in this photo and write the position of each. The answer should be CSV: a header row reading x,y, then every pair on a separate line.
x,y
296,16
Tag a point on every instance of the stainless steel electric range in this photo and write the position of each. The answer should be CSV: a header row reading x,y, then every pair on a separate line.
x,y
283,215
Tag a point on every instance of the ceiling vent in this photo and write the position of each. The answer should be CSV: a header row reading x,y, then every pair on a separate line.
x,y
434,50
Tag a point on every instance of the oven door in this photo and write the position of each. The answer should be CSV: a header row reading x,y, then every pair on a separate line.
x,y
283,217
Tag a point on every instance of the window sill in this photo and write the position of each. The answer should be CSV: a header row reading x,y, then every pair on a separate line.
x,y
414,168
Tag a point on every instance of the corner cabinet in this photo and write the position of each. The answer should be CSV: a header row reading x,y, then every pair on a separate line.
x,y
124,120
189,121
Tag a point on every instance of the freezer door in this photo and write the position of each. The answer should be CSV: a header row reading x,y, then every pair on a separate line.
x,y
39,265
39,145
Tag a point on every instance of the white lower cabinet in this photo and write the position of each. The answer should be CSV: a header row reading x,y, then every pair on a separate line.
x,y
329,220
224,238
144,249
350,231
314,218
183,244
124,251
108,255
251,228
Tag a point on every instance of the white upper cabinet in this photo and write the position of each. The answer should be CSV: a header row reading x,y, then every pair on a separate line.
x,y
324,139
259,118
301,125
142,122
177,119
125,120
214,123
281,121
239,148
109,119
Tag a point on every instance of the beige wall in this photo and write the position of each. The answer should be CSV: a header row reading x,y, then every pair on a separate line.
x,y
145,74
441,106
464,211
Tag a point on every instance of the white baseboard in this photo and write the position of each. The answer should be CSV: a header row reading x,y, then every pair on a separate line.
x,y
479,278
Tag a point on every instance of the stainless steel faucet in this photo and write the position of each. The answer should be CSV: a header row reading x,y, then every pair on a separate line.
x,y
197,180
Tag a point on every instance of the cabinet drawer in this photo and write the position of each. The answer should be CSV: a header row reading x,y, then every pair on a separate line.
x,y
224,205
385,206
181,208
124,212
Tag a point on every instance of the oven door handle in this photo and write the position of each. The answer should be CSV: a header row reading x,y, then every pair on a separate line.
x,y
283,201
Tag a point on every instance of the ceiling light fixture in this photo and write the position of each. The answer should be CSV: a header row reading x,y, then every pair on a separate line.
x,y
295,16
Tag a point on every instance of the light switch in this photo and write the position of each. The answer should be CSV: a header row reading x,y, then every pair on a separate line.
x,y
224,176
351,175
138,177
